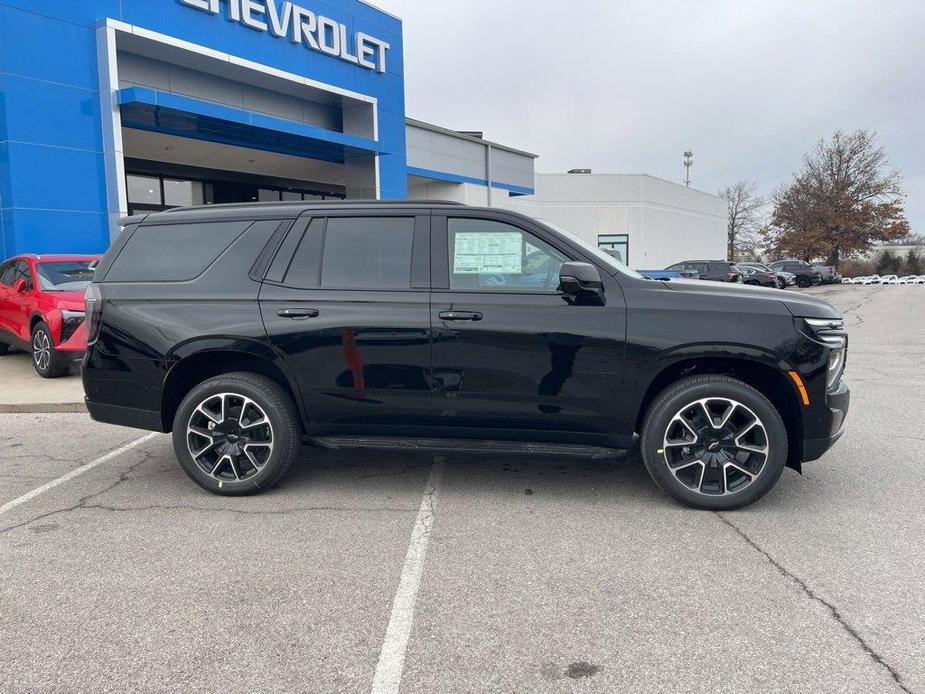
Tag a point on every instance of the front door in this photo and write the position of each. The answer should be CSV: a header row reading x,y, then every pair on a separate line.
x,y
346,303
512,356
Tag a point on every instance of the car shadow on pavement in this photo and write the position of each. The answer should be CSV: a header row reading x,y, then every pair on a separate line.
x,y
361,479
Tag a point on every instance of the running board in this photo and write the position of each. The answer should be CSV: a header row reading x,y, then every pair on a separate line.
x,y
475,446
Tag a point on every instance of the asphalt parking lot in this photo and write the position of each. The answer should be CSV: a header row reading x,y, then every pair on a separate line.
x,y
505,575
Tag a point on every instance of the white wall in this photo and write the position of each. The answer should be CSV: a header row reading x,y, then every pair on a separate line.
x,y
666,222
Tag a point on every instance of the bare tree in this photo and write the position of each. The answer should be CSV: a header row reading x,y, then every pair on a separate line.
x,y
744,221
841,201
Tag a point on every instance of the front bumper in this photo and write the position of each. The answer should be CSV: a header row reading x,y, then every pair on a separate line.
x,y
833,419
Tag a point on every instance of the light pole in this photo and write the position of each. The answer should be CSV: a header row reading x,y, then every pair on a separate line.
x,y
688,163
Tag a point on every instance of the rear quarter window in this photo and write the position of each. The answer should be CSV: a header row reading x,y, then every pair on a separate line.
x,y
173,252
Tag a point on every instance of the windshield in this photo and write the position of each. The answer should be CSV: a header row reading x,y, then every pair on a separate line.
x,y
599,254
65,275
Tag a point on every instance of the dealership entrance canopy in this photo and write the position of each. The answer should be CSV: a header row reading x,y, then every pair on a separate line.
x,y
114,107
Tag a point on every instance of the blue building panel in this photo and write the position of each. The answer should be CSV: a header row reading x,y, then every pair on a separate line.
x,y
52,135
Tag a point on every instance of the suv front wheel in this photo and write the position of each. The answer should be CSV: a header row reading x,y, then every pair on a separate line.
x,y
237,434
713,442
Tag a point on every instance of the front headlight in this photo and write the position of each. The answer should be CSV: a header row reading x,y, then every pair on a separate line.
x,y
831,332
836,367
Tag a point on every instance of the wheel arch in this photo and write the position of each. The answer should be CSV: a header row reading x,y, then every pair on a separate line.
x,y
767,379
192,364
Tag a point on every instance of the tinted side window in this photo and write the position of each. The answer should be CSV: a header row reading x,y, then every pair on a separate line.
x,y
22,272
494,256
304,266
6,273
367,252
173,252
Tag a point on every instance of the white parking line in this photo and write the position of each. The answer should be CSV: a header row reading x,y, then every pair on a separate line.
x,y
19,501
392,656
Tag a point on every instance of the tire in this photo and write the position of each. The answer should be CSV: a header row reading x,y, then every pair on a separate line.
x,y
4,348
804,282
46,360
696,475
239,468
781,283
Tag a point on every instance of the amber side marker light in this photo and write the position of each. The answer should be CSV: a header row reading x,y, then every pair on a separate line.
x,y
804,396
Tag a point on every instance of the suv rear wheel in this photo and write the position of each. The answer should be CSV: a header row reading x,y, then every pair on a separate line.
x,y
713,442
803,281
4,348
237,434
46,360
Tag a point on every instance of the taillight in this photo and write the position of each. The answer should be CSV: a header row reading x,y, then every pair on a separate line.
x,y
733,277
93,298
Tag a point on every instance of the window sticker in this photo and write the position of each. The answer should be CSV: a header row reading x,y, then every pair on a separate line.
x,y
477,253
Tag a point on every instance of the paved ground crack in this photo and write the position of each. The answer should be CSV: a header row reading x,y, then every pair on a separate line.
x,y
877,658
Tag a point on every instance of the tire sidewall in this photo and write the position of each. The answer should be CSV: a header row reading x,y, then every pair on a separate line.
x,y
280,420
664,409
53,359
803,282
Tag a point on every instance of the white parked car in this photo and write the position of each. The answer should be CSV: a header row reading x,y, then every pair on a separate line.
x,y
889,279
908,279
872,279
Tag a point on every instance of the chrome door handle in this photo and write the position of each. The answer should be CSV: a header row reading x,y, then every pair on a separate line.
x,y
460,315
298,313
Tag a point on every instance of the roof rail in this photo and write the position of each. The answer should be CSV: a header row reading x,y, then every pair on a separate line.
x,y
311,203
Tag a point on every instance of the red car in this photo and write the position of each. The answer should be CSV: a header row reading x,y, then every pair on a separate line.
x,y
42,309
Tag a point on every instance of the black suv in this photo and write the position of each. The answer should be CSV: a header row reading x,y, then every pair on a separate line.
x,y
715,270
249,330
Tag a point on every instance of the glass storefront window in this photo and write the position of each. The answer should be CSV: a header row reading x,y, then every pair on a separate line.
x,y
292,195
615,244
144,190
182,193
267,195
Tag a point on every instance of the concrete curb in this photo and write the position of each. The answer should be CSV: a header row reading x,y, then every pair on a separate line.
x,y
42,407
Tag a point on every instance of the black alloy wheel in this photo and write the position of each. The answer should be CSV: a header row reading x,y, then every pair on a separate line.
x,y
714,442
237,434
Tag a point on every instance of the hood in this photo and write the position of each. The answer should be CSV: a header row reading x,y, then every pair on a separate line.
x,y
798,304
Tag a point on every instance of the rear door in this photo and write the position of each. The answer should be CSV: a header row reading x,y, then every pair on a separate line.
x,y
7,271
346,301
511,356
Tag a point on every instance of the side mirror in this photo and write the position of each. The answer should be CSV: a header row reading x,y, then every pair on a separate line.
x,y
19,286
582,282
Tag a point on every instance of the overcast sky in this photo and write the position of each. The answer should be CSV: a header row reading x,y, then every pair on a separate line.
x,y
625,86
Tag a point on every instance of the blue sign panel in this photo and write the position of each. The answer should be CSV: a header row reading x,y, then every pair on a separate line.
x,y
55,184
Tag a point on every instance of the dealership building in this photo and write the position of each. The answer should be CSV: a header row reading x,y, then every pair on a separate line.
x,y
117,107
